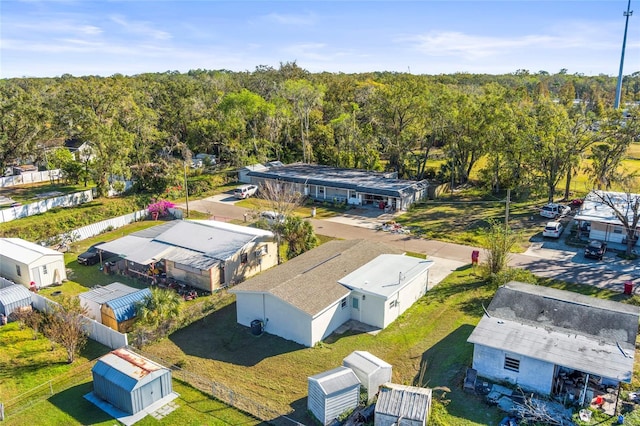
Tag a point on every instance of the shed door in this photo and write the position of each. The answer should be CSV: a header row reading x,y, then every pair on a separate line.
x,y
35,276
151,393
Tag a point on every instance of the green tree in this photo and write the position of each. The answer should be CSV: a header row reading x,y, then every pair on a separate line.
x,y
304,97
499,240
157,314
65,324
299,236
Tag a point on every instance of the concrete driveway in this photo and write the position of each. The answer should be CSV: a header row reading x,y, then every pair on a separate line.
x,y
545,257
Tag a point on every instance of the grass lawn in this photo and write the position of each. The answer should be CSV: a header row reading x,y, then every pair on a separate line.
x,y
28,193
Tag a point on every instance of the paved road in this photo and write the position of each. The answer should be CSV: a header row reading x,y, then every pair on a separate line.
x,y
550,259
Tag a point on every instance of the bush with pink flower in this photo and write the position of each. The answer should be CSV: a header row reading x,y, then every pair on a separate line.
x,y
160,208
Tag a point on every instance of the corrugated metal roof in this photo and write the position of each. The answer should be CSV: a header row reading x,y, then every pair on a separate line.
x,y
406,402
386,274
127,369
309,282
200,244
24,251
103,294
336,380
365,361
124,307
365,181
562,327
13,294
593,209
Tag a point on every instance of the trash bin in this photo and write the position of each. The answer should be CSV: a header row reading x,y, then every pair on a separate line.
x,y
475,256
620,420
628,287
256,327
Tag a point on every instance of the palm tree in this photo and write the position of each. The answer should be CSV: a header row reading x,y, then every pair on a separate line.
x,y
299,236
159,310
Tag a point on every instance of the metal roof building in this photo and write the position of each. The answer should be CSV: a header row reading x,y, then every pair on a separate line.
x,y
402,405
370,370
332,393
119,313
93,299
24,262
14,297
130,382
345,185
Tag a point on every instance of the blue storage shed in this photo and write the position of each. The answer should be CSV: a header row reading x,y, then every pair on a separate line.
x,y
119,314
130,382
14,297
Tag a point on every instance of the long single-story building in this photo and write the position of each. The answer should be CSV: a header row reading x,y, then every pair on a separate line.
x,y
205,254
352,186
598,221
24,262
309,297
555,342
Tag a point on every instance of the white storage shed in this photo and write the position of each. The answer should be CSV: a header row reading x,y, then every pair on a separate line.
x,y
332,393
370,370
24,262
93,299
14,297
402,405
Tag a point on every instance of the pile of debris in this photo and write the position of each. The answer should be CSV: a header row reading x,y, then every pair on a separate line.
x,y
394,227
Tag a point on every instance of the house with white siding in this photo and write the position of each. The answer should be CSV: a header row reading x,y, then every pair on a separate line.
x,y
555,342
309,297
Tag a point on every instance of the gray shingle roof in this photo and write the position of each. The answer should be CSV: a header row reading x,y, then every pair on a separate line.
x,y
310,281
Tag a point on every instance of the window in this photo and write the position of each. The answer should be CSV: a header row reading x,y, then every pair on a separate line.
x,y
343,303
18,270
511,364
243,258
44,270
354,303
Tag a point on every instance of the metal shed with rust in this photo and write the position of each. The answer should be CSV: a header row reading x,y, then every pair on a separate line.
x,y
130,382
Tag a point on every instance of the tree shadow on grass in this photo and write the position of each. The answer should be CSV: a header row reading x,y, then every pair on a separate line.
x,y
444,365
218,336
71,402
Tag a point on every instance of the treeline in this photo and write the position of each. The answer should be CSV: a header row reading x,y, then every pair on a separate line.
x,y
521,131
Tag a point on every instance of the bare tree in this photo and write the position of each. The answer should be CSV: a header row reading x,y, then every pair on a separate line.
x,y
625,206
65,325
283,199
30,318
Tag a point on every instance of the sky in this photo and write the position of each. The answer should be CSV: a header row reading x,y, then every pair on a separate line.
x,y
49,38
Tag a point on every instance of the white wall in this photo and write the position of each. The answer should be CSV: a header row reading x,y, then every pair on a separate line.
x,y
534,375
92,307
327,321
280,318
8,271
405,298
53,264
370,309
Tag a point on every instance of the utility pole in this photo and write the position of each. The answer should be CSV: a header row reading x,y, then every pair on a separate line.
x,y
506,212
186,189
628,13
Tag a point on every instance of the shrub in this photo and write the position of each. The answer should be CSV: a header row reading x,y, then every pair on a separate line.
x,y
160,208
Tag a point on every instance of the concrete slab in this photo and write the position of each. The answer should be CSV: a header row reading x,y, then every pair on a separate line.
x,y
130,419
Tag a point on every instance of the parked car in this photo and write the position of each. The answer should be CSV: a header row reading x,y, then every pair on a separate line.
x,y
91,256
245,191
272,217
554,210
553,230
595,249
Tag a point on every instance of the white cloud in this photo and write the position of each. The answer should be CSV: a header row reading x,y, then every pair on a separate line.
x,y
286,19
140,28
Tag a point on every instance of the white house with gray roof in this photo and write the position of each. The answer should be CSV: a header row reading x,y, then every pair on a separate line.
x,y
205,254
309,297
352,186
555,341
24,262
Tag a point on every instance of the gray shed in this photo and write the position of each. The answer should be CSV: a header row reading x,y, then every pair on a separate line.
x,y
402,405
14,297
370,370
332,393
129,381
